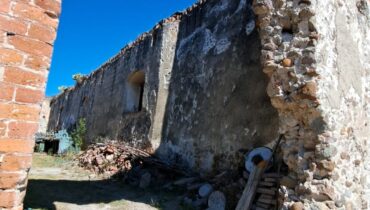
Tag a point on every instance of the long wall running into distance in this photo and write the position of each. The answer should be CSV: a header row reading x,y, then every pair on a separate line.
x,y
192,87
227,75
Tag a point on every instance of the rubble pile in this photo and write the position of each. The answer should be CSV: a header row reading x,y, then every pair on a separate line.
x,y
224,191
134,166
111,157
218,192
140,169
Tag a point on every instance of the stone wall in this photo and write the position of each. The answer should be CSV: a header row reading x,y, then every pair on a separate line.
x,y
343,61
44,115
204,95
217,101
106,97
27,33
316,55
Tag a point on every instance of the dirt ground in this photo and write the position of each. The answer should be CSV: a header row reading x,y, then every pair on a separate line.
x,y
57,183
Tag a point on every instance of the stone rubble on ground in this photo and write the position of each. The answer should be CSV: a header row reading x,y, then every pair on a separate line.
x,y
140,169
205,190
216,201
109,158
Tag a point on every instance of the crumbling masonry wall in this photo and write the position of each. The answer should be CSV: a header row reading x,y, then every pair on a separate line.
x,y
205,99
27,33
316,54
217,101
44,115
204,94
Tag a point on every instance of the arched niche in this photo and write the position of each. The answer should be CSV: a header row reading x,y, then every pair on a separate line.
x,y
135,91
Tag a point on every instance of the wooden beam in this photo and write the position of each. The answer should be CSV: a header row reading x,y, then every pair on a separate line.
x,y
245,202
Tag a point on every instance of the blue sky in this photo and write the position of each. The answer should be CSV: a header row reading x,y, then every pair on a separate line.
x,y
92,31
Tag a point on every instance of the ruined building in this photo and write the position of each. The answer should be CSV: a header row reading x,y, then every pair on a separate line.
x,y
27,33
193,87
228,75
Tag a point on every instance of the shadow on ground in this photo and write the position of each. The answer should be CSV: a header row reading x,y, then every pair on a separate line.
x,y
57,183
46,194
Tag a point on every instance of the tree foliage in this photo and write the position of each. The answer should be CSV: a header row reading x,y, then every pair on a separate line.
x,y
79,133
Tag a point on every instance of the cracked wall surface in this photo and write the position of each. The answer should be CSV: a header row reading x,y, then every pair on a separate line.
x,y
217,100
204,94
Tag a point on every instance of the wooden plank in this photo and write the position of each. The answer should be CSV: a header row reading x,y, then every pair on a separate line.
x,y
266,200
271,175
270,179
267,191
267,184
263,205
245,202
266,196
185,181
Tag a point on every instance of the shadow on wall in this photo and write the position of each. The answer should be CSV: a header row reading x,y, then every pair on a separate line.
x,y
135,91
217,101
201,84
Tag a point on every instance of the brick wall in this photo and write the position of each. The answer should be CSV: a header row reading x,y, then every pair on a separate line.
x,y
27,33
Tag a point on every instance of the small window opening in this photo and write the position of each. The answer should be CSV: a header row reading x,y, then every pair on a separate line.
x,y
136,91
140,105
84,100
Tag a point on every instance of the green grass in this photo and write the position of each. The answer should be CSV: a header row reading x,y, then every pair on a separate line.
x,y
42,160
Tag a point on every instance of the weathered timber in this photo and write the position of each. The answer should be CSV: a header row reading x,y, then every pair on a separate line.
x,y
245,202
270,179
267,191
266,200
271,175
267,184
185,181
263,205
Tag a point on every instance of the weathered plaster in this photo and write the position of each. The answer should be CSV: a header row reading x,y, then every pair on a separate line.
x,y
204,95
316,54
344,92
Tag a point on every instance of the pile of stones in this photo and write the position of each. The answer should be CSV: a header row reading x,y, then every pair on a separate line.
x,y
110,158
136,167
139,168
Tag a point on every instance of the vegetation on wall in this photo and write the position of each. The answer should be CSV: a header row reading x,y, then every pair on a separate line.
x,y
79,78
62,88
79,133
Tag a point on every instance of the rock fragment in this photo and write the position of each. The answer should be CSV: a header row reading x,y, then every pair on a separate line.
x,y
216,201
205,190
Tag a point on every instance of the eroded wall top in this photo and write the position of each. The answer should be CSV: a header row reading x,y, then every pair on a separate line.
x,y
204,89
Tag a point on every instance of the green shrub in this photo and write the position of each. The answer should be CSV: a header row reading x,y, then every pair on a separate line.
x,y
79,133
79,78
